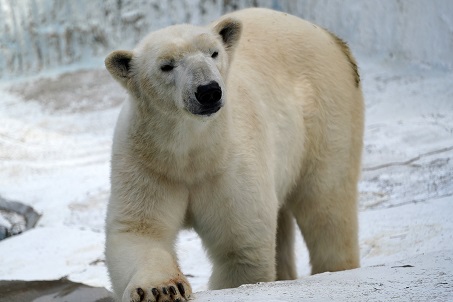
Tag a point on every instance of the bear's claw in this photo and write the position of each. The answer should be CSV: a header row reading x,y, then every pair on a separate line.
x,y
181,289
155,292
140,293
164,294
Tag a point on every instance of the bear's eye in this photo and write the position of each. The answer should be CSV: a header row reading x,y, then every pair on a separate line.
x,y
214,54
167,67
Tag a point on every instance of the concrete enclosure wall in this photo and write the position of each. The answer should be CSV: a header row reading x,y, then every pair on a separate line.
x,y
37,35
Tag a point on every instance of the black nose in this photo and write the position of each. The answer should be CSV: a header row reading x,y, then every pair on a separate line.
x,y
209,94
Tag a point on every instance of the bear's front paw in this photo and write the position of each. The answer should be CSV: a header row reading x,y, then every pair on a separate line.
x,y
171,291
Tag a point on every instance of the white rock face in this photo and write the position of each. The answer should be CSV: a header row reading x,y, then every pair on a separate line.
x,y
41,35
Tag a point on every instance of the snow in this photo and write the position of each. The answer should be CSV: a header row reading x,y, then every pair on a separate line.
x,y
55,143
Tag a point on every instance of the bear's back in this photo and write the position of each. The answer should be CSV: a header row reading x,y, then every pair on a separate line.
x,y
283,46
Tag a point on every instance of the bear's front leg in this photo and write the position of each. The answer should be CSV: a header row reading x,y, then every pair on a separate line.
x,y
144,269
143,219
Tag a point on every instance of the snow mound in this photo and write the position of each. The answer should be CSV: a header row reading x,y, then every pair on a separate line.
x,y
426,277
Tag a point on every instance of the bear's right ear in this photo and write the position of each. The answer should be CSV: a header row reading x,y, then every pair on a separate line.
x,y
230,30
118,63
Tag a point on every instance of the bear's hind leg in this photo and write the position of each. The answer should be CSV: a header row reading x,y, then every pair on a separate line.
x,y
286,264
327,218
238,230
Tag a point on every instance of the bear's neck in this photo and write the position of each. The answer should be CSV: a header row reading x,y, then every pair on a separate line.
x,y
182,147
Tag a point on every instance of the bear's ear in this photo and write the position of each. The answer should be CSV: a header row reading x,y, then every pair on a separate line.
x,y
229,30
118,63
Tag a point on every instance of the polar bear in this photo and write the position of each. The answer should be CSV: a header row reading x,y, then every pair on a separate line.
x,y
234,130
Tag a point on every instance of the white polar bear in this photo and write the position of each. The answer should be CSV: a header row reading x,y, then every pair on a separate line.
x,y
233,129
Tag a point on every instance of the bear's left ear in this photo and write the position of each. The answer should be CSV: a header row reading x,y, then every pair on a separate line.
x,y
118,63
230,30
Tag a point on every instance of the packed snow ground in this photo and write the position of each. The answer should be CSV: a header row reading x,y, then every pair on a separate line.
x,y
55,139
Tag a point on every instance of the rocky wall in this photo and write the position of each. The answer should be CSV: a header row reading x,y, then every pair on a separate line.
x,y
37,35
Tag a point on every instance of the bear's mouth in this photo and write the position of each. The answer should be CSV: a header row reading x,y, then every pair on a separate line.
x,y
205,110
209,110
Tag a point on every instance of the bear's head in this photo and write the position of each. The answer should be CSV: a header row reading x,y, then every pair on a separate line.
x,y
181,67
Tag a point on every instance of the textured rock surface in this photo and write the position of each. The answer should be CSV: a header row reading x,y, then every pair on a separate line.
x,y
38,35
16,218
